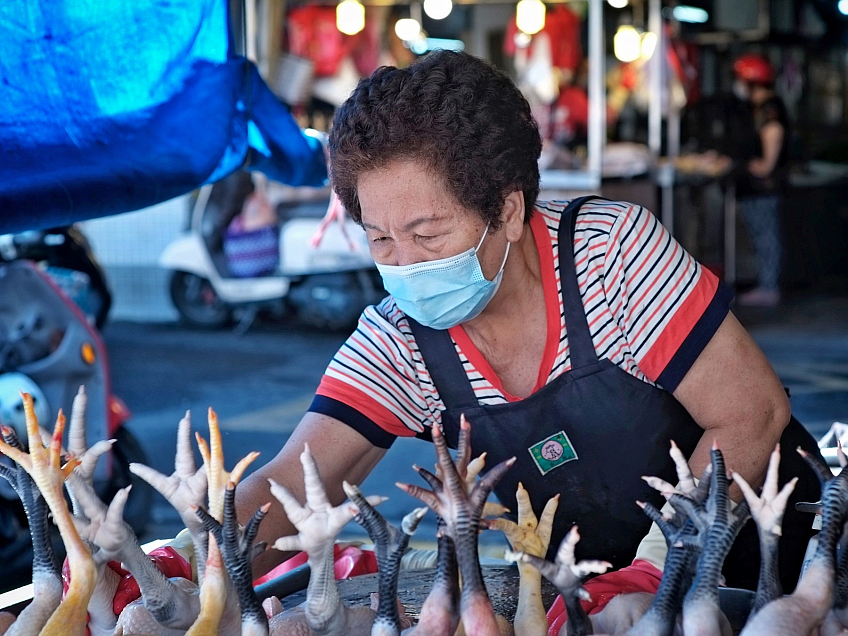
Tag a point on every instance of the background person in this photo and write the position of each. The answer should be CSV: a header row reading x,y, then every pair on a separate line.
x,y
760,185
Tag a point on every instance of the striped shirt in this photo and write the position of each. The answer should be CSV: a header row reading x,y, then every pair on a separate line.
x,y
651,309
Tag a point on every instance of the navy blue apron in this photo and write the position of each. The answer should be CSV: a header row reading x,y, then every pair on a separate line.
x,y
589,435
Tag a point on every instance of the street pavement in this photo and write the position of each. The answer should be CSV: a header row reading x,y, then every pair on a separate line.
x,y
262,382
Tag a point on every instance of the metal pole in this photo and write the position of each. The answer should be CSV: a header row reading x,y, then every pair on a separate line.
x,y
251,21
730,233
656,73
597,99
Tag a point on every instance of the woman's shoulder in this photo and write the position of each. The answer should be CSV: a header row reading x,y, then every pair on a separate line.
x,y
597,216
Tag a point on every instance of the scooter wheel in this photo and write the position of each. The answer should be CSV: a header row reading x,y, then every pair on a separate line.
x,y
198,302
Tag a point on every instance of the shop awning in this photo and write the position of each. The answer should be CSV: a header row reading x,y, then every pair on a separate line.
x,y
108,106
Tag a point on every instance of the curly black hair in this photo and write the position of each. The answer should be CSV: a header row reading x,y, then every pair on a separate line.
x,y
452,112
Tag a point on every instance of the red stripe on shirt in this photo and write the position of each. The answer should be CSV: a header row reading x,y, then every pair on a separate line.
x,y
680,326
356,399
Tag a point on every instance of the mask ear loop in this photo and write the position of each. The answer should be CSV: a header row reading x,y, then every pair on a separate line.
x,y
482,238
508,245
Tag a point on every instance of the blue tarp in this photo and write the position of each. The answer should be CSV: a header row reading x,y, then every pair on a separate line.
x,y
114,105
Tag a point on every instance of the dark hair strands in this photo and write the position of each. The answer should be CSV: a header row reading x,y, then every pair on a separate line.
x,y
455,115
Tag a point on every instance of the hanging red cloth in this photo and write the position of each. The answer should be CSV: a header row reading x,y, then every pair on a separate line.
x,y
312,34
563,28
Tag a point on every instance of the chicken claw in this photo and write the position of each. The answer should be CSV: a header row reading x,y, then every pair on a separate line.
x,y
44,465
567,575
238,551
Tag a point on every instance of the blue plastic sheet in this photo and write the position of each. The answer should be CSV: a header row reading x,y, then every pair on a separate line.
x,y
108,106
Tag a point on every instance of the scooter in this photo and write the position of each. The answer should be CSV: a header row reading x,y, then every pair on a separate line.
x,y
327,285
49,349
69,260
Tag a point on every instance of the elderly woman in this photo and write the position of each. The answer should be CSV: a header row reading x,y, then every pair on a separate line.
x,y
577,336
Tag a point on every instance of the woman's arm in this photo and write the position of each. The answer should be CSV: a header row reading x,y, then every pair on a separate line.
x,y
735,396
341,454
771,139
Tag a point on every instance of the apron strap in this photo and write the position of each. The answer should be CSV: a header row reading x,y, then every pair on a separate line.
x,y
445,367
577,326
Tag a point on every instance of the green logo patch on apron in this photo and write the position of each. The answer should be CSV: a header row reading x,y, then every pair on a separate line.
x,y
552,452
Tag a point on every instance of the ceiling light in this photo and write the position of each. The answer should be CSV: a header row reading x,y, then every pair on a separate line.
x,y
350,17
407,29
618,4
438,9
530,16
683,13
649,45
627,43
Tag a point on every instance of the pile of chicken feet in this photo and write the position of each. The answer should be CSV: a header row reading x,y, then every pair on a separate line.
x,y
699,535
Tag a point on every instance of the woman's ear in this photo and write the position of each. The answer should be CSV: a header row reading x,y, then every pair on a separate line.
x,y
513,216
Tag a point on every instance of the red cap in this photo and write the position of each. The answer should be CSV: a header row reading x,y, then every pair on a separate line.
x,y
754,68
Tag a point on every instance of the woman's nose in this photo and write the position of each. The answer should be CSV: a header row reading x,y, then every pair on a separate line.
x,y
407,253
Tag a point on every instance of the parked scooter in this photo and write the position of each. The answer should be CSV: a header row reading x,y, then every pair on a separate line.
x,y
68,258
327,285
49,349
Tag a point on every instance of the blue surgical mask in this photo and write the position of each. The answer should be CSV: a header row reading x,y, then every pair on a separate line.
x,y
442,293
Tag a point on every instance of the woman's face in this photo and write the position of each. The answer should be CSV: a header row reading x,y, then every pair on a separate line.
x,y
410,217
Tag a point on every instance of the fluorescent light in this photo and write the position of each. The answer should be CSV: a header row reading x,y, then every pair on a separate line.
x,y
422,45
684,13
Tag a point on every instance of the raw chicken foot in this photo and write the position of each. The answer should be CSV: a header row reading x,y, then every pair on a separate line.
x,y
807,607
43,464
717,527
567,575
318,524
169,605
461,511
661,616
78,447
219,612
529,536
238,553
767,511
389,545
186,487
46,576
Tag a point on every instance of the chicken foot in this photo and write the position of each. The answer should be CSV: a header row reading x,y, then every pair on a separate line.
x,y
318,524
390,543
567,575
46,576
219,613
807,607
44,465
78,447
661,617
184,488
529,536
238,552
462,511
717,526
169,605
767,511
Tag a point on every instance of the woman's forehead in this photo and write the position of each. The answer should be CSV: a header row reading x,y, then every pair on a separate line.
x,y
405,192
